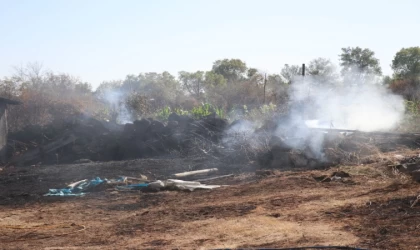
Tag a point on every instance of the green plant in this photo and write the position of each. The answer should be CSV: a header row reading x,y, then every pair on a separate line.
x,y
180,111
164,113
268,109
412,107
205,110
201,111
220,113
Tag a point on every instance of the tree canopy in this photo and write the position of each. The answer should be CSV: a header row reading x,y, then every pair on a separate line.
x,y
362,60
406,63
230,69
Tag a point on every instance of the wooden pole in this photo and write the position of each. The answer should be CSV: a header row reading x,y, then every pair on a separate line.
x,y
265,83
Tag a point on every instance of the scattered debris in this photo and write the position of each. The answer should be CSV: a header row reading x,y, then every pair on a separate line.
x,y
80,188
197,172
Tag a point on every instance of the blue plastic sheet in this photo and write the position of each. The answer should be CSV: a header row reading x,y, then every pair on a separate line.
x,y
63,192
76,190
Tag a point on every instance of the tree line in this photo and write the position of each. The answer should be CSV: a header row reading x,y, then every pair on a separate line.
x,y
228,85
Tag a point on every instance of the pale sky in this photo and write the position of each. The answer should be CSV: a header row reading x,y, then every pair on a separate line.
x,y
100,40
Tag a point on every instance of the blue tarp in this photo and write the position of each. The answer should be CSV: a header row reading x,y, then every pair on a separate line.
x,y
76,189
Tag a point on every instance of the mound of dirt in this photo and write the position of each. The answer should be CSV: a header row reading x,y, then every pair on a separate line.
x,y
87,138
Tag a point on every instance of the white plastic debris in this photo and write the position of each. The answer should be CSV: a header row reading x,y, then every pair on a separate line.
x,y
180,185
188,185
156,185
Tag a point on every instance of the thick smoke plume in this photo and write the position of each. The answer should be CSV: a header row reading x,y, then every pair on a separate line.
x,y
365,107
368,106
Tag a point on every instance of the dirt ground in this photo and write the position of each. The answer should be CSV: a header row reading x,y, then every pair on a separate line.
x,y
371,209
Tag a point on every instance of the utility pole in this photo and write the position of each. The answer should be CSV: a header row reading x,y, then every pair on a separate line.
x,y
265,83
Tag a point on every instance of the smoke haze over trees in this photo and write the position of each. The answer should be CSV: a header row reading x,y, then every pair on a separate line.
x,y
231,87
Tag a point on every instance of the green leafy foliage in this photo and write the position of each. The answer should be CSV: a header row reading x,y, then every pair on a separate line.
x,y
360,60
164,113
406,63
202,111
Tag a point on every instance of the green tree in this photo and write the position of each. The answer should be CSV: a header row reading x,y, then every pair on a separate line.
x,y
406,63
386,80
251,72
193,82
359,65
360,60
105,88
289,72
323,71
230,69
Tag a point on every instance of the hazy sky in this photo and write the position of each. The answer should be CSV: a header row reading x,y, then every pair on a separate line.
x,y
99,40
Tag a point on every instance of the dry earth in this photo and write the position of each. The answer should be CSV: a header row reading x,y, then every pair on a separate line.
x,y
371,209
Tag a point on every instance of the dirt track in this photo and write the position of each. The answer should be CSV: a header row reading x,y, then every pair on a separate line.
x,y
371,210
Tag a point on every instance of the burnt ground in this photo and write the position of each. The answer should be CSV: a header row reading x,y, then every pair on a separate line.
x,y
371,209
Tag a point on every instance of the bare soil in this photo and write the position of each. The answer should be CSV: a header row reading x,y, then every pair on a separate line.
x,y
371,209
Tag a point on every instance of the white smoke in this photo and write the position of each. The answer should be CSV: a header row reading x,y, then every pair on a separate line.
x,y
365,107
115,99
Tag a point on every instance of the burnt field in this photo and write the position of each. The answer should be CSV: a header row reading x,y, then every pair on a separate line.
x,y
361,193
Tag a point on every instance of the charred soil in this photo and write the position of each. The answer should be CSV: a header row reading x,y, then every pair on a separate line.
x,y
371,207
